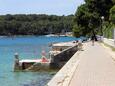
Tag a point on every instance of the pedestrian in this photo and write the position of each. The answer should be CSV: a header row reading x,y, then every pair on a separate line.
x,y
93,40
80,45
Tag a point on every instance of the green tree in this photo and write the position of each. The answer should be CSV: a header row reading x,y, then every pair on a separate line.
x,y
85,21
88,16
22,24
112,14
101,7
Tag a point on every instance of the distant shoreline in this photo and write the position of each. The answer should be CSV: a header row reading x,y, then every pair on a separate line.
x,y
49,35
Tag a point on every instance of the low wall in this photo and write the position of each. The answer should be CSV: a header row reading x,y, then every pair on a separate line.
x,y
32,66
60,59
39,67
65,74
110,42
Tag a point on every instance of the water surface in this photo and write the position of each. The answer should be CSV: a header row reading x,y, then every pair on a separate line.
x,y
28,48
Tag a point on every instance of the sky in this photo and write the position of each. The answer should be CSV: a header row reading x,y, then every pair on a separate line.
x,y
50,7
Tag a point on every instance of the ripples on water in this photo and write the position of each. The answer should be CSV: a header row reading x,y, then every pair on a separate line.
x,y
28,48
41,81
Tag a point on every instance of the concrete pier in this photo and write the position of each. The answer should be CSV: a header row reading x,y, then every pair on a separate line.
x,y
58,60
61,53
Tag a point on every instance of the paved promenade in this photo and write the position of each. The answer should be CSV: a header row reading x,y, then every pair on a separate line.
x,y
96,68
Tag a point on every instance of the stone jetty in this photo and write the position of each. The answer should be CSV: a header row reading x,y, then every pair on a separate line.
x,y
58,56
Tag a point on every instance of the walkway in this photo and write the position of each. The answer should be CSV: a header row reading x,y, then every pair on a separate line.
x,y
96,68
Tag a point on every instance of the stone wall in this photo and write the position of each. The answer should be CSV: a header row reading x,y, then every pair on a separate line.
x,y
60,59
64,75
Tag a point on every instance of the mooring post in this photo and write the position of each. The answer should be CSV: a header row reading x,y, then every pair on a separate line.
x,y
16,62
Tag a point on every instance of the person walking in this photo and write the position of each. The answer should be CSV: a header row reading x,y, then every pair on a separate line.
x,y
93,40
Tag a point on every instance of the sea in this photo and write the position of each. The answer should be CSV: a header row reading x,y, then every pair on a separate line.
x,y
28,47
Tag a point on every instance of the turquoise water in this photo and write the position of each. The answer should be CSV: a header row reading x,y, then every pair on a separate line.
x,y
27,47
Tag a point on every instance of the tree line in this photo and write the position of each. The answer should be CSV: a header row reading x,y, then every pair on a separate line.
x,y
93,16
33,24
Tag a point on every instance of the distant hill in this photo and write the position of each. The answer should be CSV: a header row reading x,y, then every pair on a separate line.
x,y
33,24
